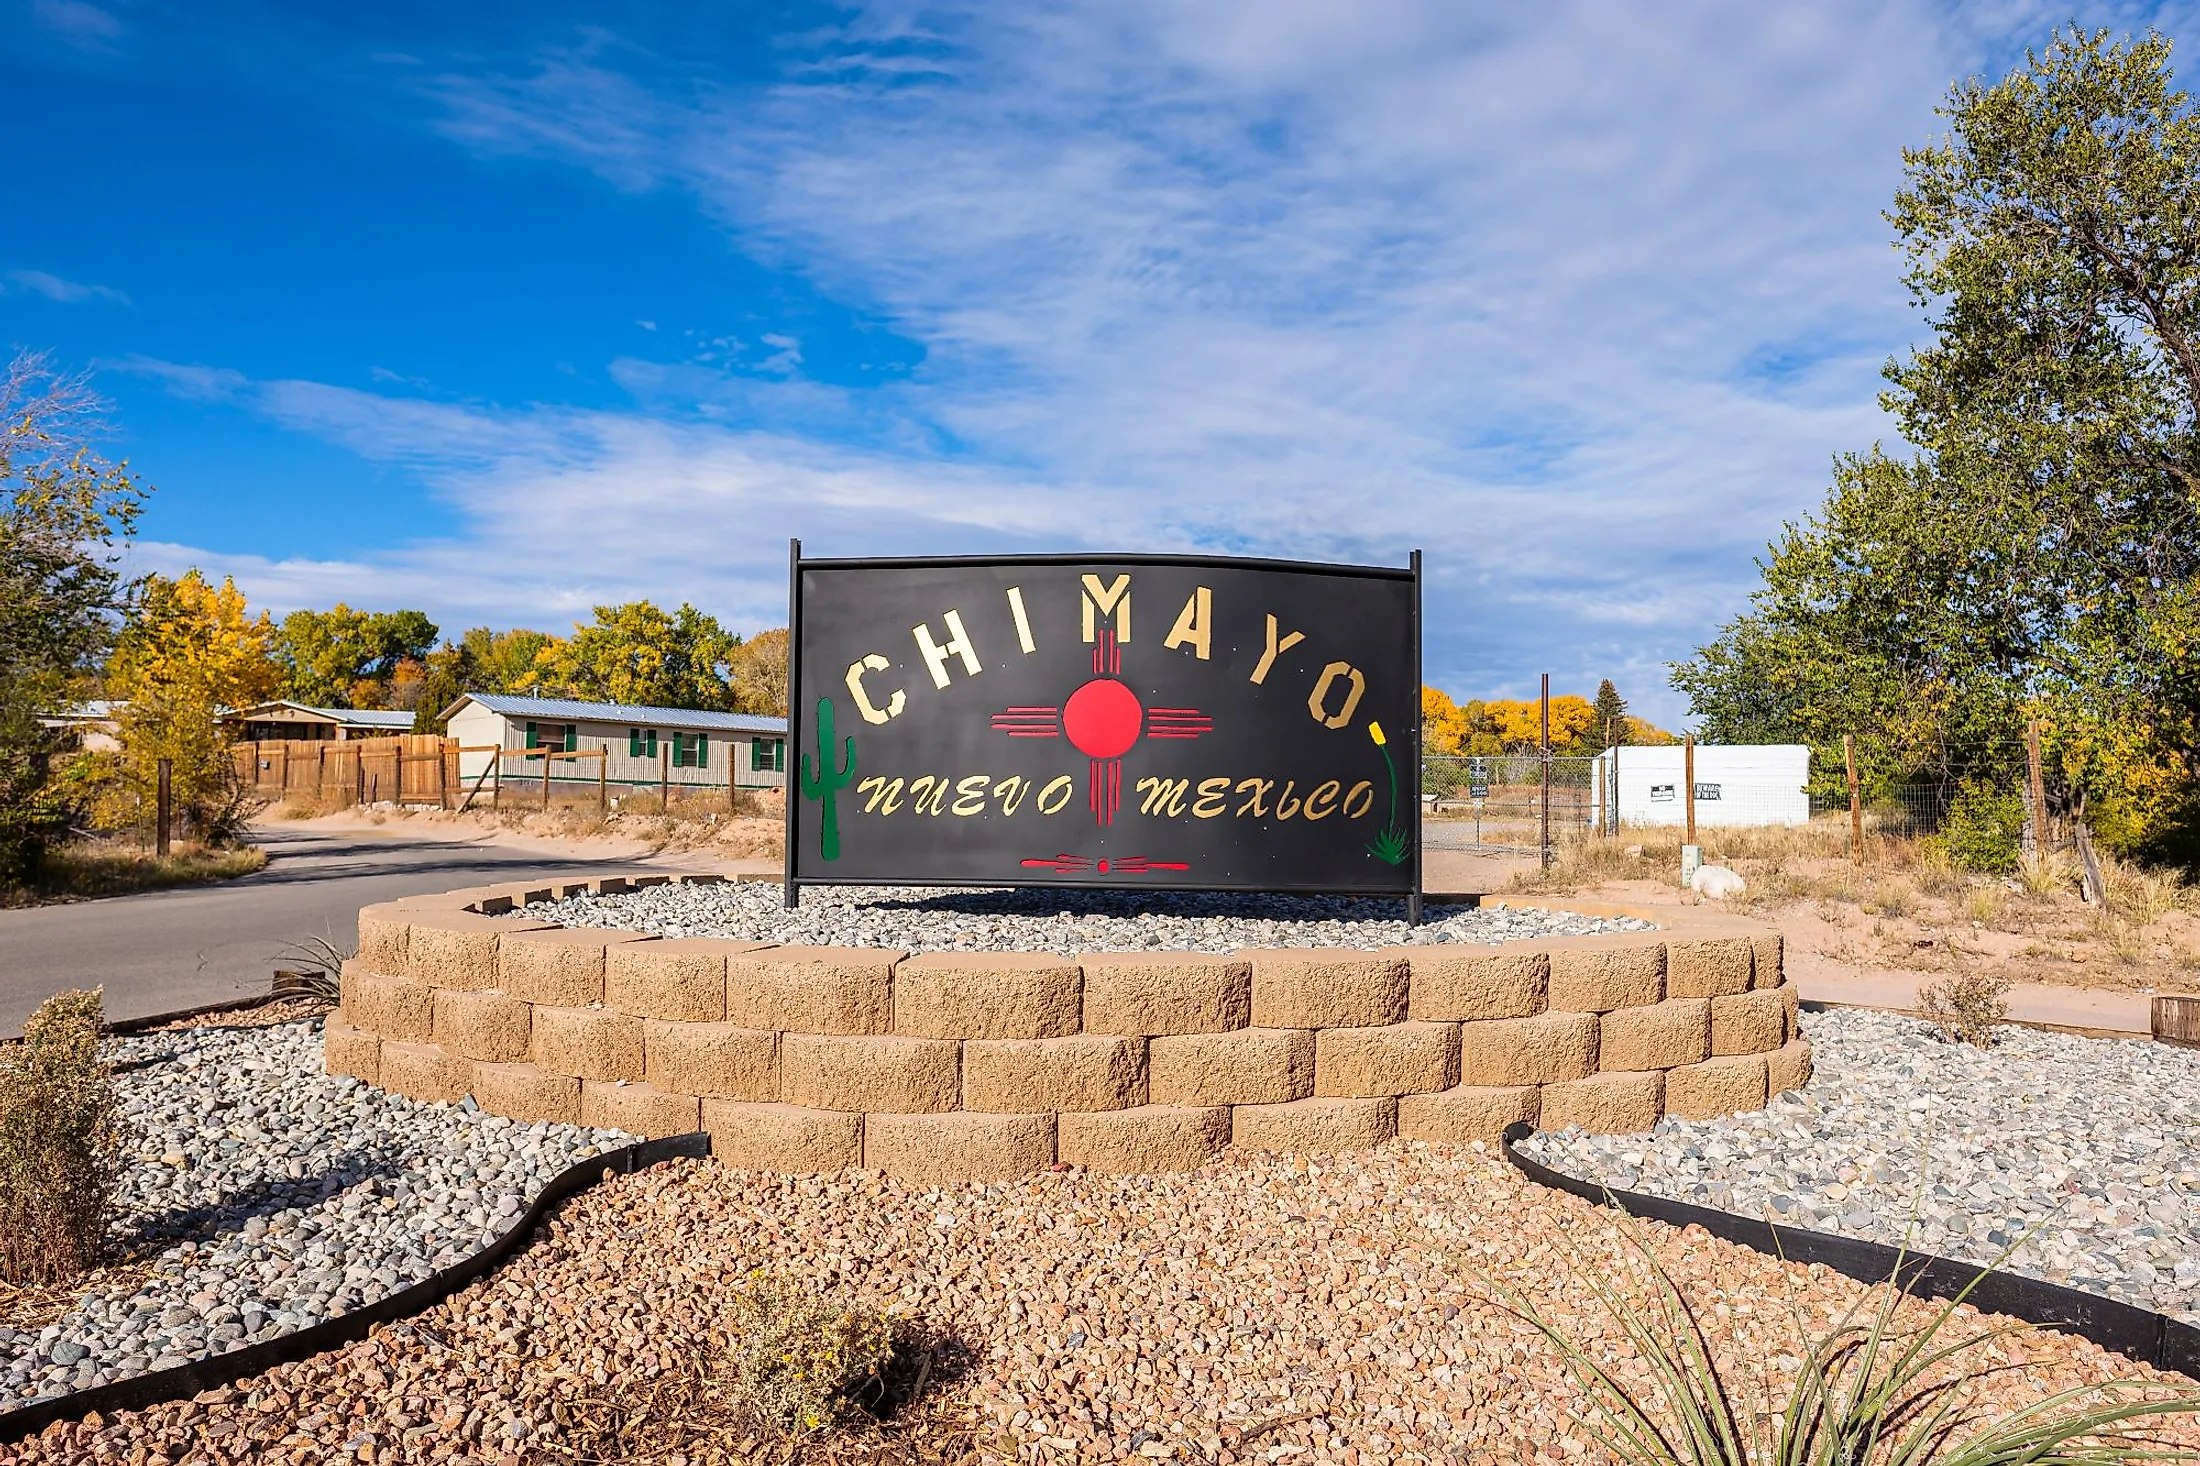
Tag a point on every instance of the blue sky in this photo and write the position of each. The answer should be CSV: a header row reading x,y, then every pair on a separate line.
x,y
502,311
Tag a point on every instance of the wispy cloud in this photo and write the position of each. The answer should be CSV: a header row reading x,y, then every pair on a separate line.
x,y
1580,297
68,292
81,24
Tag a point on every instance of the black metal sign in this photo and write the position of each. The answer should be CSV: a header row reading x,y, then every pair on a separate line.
x,y
1131,721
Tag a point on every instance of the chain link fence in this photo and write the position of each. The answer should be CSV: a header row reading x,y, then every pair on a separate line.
x,y
1496,802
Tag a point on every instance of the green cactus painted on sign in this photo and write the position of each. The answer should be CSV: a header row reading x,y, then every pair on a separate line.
x,y
821,782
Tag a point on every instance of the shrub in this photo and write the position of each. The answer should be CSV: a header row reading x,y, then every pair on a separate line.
x,y
60,1144
798,1358
1984,828
1966,1009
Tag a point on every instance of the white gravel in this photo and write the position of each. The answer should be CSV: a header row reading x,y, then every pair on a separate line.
x,y
934,919
277,1197
2093,1142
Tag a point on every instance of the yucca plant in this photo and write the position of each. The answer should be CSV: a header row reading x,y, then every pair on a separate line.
x,y
1869,1393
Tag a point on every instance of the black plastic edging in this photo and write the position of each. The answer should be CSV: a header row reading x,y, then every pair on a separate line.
x,y
217,1370
2138,1333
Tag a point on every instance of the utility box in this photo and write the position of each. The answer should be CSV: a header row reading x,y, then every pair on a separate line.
x,y
1736,784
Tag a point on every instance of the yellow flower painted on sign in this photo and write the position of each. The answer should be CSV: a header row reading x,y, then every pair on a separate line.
x,y
1375,731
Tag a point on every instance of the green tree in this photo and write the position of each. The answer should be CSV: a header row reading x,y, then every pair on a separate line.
x,y
1611,715
346,658
64,513
2041,551
504,661
636,653
452,670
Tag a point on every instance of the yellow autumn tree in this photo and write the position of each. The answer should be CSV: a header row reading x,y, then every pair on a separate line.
x,y
1518,723
1443,723
189,650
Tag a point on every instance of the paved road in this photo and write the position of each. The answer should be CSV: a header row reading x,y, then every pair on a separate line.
x,y
167,950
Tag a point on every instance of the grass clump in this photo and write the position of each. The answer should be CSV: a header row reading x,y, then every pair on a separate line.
x,y
1967,1009
102,868
60,1144
1870,1392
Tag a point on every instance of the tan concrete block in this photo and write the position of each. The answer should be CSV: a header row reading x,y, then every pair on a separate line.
x,y
1749,1023
484,1026
587,1043
1395,1059
1146,1138
1712,967
348,977
1466,1113
383,933
845,990
1086,1071
1249,1067
457,949
524,1092
1791,1002
425,1072
561,966
1604,1104
1766,966
784,1138
1728,1086
683,979
639,1109
1145,994
871,1074
1545,1049
1788,1067
1676,1031
987,995
1598,974
1327,987
1455,981
720,1060
393,1007
345,1050
1315,1126
957,1146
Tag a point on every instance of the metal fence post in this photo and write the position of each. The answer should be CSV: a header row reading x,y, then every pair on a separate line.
x,y
164,808
1545,760
1856,803
2038,788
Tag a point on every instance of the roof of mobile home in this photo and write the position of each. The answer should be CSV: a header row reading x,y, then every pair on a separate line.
x,y
512,706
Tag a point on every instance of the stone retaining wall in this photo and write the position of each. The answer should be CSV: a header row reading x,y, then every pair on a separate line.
x,y
970,1065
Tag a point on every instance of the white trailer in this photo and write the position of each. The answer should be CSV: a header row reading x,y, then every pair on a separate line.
x,y
1736,784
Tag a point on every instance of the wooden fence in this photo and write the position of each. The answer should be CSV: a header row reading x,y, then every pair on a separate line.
x,y
415,768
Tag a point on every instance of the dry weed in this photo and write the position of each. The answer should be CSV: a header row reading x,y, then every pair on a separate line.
x,y
1985,904
1966,1009
60,1144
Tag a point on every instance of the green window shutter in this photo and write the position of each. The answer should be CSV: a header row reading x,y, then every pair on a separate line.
x,y
653,743
757,756
572,737
633,743
702,750
531,742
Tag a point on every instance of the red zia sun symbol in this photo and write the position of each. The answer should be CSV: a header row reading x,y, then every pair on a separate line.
x,y
1103,720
